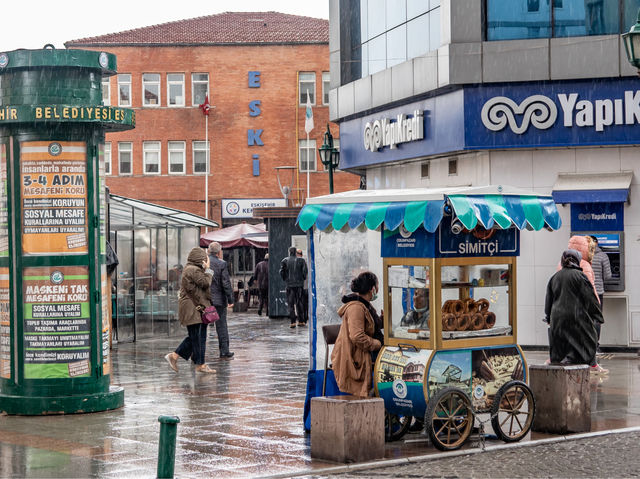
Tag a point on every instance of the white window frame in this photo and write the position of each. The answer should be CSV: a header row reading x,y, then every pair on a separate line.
x,y
122,148
106,91
200,146
304,78
155,83
194,82
304,146
326,86
173,147
174,82
124,81
149,147
107,158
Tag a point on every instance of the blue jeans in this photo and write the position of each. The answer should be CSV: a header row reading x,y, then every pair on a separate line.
x,y
194,346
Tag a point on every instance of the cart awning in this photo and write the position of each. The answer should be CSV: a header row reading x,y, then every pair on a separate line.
x,y
490,206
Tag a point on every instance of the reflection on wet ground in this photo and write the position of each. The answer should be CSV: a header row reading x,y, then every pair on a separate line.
x,y
244,421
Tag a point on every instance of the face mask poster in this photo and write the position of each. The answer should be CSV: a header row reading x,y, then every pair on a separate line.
x,y
54,198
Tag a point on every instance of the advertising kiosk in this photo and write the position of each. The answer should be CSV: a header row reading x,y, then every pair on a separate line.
x,y
446,260
54,320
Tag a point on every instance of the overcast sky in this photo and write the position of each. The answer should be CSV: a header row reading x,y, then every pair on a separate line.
x,y
34,23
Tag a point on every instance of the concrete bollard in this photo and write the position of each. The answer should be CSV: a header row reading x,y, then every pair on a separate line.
x,y
167,446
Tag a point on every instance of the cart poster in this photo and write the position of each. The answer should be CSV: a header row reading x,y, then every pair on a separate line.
x,y
450,369
54,197
106,327
5,325
57,328
493,367
400,379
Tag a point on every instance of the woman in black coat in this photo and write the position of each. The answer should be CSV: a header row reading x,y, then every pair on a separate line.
x,y
572,309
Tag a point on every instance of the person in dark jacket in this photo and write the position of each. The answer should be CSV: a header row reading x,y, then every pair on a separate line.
x,y
571,309
221,297
192,300
293,271
261,276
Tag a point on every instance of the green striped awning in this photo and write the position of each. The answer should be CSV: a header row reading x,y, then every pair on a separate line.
x,y
489,210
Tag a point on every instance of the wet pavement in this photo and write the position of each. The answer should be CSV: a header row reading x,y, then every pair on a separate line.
x,y
244,421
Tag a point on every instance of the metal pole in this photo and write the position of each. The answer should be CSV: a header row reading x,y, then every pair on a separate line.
x,y
206,173
330,177
308,164
167,446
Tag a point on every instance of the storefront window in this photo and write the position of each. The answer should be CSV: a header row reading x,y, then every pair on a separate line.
x,y
409,301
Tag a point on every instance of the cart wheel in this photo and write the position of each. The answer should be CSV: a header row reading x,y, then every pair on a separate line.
x,y
395,426
449,418
512,411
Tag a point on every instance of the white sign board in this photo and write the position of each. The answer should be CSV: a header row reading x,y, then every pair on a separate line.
x,y
243,208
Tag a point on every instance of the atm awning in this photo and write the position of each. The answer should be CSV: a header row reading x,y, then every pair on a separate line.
x,y
592,187
489,206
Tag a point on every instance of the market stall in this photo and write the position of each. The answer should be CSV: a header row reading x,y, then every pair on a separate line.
x,y
446,259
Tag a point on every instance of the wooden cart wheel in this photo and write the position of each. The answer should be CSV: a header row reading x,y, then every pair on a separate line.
x,y
512,411
395,426
449,418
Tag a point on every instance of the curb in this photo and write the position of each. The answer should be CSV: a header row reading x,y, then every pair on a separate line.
x,y
442,455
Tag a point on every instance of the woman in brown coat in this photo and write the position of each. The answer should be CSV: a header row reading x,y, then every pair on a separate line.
x,y
351,356
192,299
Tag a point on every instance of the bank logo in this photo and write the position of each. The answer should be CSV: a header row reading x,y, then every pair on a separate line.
x,y
103,59
538,110
233,208
400,388
55,148
4,60
56,277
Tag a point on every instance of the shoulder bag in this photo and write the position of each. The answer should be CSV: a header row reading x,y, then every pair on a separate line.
x,y
209,314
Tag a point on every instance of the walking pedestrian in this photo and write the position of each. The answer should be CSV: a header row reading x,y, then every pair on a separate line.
x,y
572,310
221,297
601,272
352,354
261,276
305,292
193,298
293,271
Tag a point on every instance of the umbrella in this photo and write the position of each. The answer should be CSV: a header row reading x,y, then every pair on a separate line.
x,y
242,234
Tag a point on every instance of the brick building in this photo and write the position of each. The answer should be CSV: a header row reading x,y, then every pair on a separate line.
x,y
256,70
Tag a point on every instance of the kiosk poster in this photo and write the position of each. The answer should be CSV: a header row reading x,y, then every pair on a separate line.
x,y
400,379
54,197
5,325
450,369
57,328
103,199
4,214
493,367
106,327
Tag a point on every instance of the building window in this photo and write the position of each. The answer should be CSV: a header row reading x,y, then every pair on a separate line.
x,y
124,89
424,170
107,158
150,89
200,163
176,157
307,155
199,88
151,157
307,85
175,89
106,92
326,85
453,167
125,155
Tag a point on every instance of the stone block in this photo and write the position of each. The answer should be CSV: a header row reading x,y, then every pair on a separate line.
x,y
347,428
562,396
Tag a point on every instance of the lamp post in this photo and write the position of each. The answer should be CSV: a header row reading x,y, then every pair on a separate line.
x,y
632,43
329,156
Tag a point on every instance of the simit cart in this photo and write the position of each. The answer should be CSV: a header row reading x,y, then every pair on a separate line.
x,y
447,263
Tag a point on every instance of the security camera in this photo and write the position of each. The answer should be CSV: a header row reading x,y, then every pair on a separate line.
x,y
456,227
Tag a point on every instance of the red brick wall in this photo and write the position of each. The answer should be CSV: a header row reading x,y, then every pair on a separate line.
x,y
231,157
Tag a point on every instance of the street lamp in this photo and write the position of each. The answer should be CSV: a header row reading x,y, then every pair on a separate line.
x,y
632,43
329,156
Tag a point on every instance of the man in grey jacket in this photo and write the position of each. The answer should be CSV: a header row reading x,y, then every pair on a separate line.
x,y
221,297
293,271
601,272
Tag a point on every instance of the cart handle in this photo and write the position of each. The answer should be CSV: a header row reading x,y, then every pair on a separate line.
x,y
408,346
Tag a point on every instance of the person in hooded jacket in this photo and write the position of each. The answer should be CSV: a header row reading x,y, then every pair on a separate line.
x,y
581,244
359,337
571,309
193,298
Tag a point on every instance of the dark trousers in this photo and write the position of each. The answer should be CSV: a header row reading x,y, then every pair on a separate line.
x,y
194,346
264,300
222,331
598,324
294,302
305,305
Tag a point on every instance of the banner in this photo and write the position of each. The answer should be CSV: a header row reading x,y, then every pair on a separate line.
x,y
57,328
106,326
54,197
5,325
